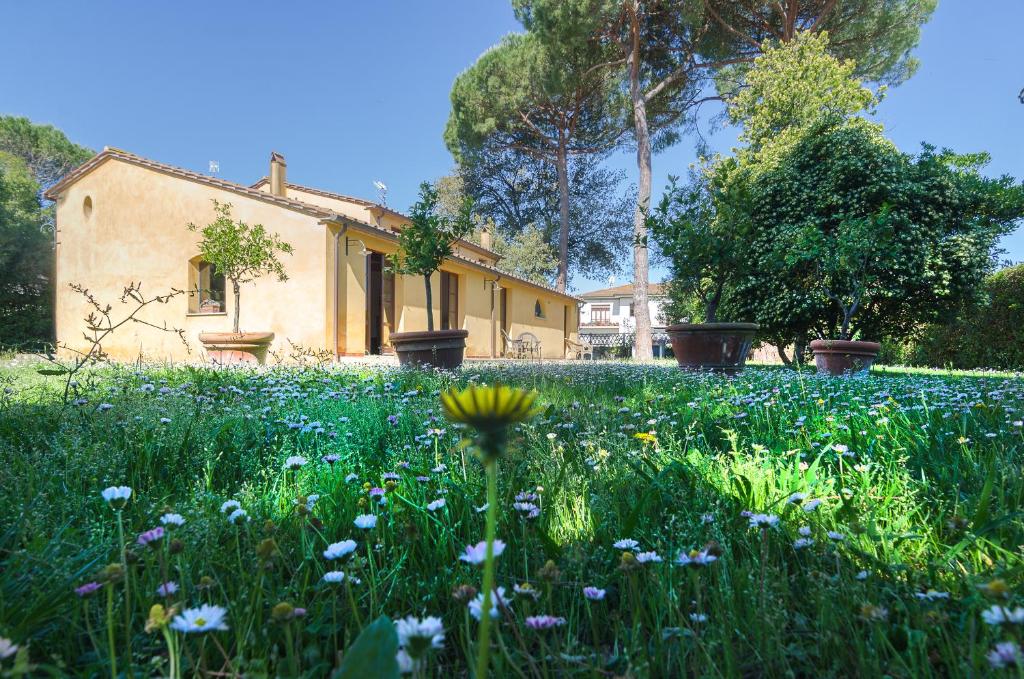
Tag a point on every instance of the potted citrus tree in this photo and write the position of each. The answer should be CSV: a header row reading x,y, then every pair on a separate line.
x,y
423,245
700,227
242,253
846,259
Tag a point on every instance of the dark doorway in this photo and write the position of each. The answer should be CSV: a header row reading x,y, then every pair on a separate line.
x,y
374,302
388,302
503,311
565,325
449,301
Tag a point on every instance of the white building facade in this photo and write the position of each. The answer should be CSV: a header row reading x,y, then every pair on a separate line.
x,y
608,324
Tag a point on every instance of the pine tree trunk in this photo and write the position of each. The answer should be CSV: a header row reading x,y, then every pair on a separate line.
x,y
562,166
430,311
642,348
238,300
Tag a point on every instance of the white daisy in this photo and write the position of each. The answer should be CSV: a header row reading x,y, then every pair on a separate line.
x,y
206,618
476,554
339,549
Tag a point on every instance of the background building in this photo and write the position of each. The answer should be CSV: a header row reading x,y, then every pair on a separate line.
x,y
608,324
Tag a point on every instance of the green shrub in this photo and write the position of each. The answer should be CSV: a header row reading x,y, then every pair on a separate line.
x,y
989,334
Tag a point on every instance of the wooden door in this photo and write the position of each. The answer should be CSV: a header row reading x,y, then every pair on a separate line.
x,y
374,302
388,304
449,301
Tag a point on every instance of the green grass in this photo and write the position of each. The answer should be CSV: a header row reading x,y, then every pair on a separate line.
x,y
919,477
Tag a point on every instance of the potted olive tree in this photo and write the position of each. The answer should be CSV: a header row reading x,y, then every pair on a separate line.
x,y
242,253
423,245
700,228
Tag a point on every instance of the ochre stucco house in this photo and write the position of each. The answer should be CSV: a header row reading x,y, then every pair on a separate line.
x,y
123,218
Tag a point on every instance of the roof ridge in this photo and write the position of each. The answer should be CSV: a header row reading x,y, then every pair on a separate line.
x,y
142,161
616,290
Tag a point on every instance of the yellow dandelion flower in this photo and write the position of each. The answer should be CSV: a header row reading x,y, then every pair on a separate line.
x,y
645,437
489,410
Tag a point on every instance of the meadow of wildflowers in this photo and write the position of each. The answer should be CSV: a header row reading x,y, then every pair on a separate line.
x,y
647,522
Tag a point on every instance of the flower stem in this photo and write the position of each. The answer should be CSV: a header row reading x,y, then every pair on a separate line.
x,y
110,632
484,643
127,593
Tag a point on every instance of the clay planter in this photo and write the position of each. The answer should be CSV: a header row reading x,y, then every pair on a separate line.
x,y
433,348
721,347
844,357
228,348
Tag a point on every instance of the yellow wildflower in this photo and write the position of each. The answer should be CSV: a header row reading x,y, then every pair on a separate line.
x,y
489,410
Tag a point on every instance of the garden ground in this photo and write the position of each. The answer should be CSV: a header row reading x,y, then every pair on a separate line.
x,y
655,523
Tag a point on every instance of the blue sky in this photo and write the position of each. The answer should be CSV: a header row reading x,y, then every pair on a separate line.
x,y
352,92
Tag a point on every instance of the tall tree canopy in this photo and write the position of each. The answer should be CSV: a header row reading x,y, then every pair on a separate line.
x,y
26,255
549,100
877,35
670,50
47,151
32,158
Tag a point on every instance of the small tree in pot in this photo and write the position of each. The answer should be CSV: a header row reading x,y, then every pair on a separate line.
x,y
846,258
242,253
700,227
423,245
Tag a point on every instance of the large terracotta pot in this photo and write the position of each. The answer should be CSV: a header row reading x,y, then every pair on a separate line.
x,y
844,357
435,348
721,347
228,348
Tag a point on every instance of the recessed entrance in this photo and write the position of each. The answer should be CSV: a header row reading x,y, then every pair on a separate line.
x,y
380,304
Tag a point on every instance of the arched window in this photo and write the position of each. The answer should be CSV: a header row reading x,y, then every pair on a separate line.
x,y
87,207
538,309
205,288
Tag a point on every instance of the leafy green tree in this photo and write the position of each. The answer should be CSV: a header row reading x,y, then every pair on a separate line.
x,y
546,99
428,239
854,237
26,258
701,227
241,252
793,85
47,151
528,254
518,196
32,158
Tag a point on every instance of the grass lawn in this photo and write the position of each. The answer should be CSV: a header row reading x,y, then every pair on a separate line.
x,y
827,527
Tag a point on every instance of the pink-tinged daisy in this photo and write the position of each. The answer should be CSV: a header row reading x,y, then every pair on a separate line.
x,y
151,535
648,557
476,554
542,622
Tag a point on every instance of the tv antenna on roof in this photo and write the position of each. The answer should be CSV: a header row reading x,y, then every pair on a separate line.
x,y
214,167
611,280
383,189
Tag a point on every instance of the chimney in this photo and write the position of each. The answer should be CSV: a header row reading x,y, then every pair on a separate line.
x,y
278,183
485,237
